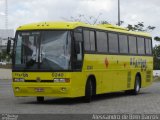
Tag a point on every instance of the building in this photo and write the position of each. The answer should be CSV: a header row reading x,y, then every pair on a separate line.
x,y
4,34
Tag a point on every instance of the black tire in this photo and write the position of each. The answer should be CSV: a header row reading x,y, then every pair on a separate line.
x,y
40,99
137,86
88,91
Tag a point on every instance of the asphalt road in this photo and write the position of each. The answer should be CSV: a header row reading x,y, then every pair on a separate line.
x,y
148,101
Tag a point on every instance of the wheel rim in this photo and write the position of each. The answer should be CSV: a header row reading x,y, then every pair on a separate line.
x,y
137,86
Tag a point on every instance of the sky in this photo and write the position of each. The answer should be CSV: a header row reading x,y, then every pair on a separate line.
x,y
132,11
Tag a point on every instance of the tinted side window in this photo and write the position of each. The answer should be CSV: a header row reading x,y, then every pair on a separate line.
x,y
140,42
78,44
113,42
123,43
132,45
78,36
86,40
102,42
148,46
92,40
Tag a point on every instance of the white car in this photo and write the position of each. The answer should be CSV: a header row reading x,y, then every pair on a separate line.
x,y
3,63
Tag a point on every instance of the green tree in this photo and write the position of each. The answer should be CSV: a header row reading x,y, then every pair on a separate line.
x,y
4,56
156,58
104,22
157,38
156,54
0,56
140,27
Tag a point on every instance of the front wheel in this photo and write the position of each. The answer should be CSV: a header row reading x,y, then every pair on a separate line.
x,y
88,91
40,99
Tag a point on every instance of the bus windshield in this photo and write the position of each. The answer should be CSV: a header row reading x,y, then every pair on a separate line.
x,y
43,50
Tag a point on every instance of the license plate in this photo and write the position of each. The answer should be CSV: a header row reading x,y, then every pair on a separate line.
x,y
39,89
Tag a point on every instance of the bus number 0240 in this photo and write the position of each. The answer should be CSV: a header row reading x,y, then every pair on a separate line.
x,y
57,74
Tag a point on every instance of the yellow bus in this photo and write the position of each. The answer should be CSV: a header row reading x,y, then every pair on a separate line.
x,y
74,59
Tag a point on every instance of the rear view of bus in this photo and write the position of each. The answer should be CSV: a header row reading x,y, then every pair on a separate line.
x,y
67,59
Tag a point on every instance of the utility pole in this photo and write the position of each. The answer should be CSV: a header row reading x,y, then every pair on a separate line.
x,y
6,14
119,17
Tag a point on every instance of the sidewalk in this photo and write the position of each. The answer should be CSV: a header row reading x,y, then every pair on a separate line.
x,y
5,74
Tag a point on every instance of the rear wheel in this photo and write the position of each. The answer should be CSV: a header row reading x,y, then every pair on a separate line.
x,y
40,99
137,87
88,91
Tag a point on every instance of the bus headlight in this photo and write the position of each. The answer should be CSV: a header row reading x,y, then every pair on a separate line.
x,y
18,80
61,80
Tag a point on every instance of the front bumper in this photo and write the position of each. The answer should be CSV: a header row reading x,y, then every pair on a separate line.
x,y
41,89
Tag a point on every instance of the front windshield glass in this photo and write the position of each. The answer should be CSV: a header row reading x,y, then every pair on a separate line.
x,y
27,49
43,50
55,50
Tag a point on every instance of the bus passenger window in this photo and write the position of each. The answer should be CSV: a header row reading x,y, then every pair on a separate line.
x,y
148,46
113,43
79,55
86,40
78,45
132,45
140,42
102,44
123,44
92,40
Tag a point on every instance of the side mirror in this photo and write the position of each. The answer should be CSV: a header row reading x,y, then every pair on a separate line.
x,y
8,46
77,48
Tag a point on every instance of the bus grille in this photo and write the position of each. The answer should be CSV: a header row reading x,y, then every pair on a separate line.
x,y
148,76
39,81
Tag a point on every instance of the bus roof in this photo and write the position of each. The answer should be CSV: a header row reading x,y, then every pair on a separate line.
x,y
73,25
